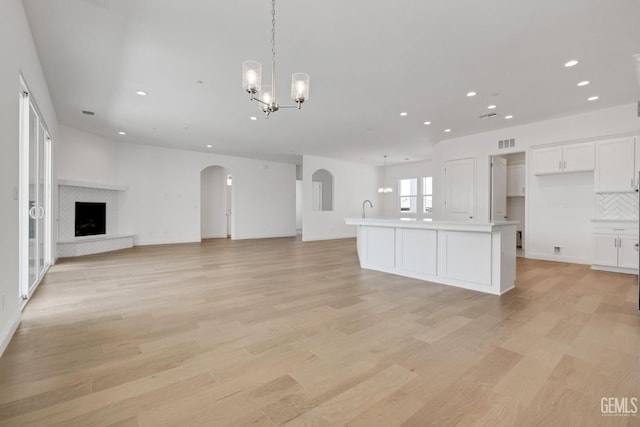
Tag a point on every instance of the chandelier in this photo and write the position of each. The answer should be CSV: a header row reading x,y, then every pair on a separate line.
x,y
265,95
385,189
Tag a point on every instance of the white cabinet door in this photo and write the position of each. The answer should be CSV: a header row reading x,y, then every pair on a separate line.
x,y
515,180
578,157
605,250
499,189
615,165
628,252
637,150
547,160
459,191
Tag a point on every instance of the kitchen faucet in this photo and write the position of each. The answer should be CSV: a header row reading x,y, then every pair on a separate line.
x,y
364,203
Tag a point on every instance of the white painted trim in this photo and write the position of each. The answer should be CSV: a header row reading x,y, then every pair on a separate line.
x,y
215,236
558,258
262,236
7,333
615,269
333,237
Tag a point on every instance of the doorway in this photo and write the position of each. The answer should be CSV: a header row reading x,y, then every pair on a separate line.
x,y
34,195
508,193
216,201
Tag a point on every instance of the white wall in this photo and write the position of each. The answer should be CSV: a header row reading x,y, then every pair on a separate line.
x,y
391,202
213,203
17,55
86,157
299,196
162,203
546,216
352,184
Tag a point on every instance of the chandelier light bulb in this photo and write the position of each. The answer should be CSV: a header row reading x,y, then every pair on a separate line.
x,y
251,76
300,87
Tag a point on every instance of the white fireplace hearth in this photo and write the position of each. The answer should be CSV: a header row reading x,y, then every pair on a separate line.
x,y
70,245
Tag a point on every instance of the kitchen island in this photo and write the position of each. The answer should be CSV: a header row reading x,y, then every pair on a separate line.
x,y
477,256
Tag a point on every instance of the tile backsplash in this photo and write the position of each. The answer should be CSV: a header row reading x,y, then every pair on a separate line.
x,y
617,205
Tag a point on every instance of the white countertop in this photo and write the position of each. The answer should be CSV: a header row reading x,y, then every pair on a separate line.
x,y
429,224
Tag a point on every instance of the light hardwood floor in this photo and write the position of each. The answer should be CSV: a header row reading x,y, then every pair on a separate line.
x,y
280,332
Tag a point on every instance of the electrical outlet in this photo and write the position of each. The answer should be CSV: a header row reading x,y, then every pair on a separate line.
x,y
556,250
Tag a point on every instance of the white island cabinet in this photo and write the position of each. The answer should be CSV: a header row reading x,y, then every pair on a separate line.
x,y
477,256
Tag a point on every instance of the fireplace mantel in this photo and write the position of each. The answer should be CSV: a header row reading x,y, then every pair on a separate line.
x,y
73,183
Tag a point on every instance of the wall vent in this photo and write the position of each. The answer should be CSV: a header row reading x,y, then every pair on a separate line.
x,y
102,4
88,113
506,143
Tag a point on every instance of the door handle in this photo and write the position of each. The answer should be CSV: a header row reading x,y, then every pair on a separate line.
x,y
32,212
560,165
564,164
41,212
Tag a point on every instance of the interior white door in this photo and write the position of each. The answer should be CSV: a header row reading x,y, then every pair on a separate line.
x,y
316,195
460,189
498,189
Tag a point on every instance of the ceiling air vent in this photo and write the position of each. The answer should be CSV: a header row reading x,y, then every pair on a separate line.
x,y
506,143
488,115
88,113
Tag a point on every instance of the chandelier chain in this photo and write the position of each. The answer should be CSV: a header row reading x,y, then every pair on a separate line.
x,y
273,49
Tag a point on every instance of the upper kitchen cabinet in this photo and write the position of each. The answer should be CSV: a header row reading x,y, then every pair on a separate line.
x,y
615,166
563,159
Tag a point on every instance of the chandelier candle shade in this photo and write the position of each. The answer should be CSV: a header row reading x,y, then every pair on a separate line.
x,y
266,95
385,189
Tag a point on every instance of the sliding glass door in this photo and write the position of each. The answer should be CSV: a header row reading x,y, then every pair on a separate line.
x,y
35,197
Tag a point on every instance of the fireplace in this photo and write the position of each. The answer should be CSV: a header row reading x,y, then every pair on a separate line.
x,y
91,218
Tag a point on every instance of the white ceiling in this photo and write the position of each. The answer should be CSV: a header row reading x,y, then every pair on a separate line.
x,y
368,61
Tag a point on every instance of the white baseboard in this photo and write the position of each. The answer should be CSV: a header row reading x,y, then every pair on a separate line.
x,y
214,236
7,332
632,271
164,242
262,236
558,258
333,237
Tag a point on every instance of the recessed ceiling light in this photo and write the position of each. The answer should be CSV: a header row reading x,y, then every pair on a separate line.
x,y
209,145
583,83
571,63
122,133
404,113
447,130
427,123
253,118
593,98
141,93
509,117
491,107
472,93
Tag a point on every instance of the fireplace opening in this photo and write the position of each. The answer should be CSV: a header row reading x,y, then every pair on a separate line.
x,y
91,218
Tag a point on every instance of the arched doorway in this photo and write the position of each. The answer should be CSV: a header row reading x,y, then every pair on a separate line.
x,y
216,202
